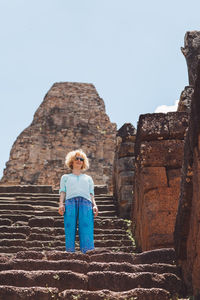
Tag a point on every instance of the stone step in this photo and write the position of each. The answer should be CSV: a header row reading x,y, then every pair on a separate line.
x,y
80,266
126,281
100,223
166,256
13,249
134,294
60,231
17,229
12,236
48,293
56,221
31,230
43,278
99,255
48,197
160,256
13,218
29,293
98,189
93,281
45,237
132,268
103,255
74,265
22,221
49,212
54,244
17,207
45,203
26,189
55,231
25,195
34,203
5,222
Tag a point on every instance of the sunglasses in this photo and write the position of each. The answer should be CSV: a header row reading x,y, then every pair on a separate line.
x,y
79,158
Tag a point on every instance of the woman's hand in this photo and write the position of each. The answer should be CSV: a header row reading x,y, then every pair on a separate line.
x,y
61,209
95,210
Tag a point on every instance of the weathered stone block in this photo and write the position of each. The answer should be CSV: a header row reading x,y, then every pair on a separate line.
x,y
161,126
161,153
153,177
126,149
187,228
125,178
126,163
126,193
178,123
123,169
127,132
156,217
125,201
186,99
162,199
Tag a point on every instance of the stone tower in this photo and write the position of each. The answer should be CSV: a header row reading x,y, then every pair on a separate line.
x,y
71,116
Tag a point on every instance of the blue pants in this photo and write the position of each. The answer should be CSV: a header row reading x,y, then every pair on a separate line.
x,y
79,210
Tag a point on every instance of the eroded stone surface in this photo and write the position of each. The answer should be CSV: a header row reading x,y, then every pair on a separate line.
x,y
191,51
159,156
34,265
71,116
187,229
123,175
185,99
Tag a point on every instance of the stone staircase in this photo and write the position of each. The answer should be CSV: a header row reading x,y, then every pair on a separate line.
x,y
34,264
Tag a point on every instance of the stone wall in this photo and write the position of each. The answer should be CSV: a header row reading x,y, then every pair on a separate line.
x,y
71,116
159,154
187,229
123,174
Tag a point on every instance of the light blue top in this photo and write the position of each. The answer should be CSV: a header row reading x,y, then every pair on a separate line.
x,y
77,186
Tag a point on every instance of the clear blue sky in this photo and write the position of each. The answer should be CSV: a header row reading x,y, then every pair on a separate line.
x,y
130,51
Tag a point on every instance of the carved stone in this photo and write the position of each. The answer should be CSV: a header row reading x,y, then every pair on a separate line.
x,y
158,156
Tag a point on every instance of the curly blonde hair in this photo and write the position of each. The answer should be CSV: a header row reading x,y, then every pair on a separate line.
x,y
71,157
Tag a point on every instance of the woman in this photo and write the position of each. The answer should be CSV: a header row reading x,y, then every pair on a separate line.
x,y
77,191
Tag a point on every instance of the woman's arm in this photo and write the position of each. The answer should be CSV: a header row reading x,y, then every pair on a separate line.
x,y
61,208
95,208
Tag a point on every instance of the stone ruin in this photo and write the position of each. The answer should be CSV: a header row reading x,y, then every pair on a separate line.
x,y
159,156
71,116
187,228
165,203
123,170
154,172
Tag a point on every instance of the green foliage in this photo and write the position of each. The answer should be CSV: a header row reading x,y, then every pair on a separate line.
x,y
129,231
56,276
76,297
